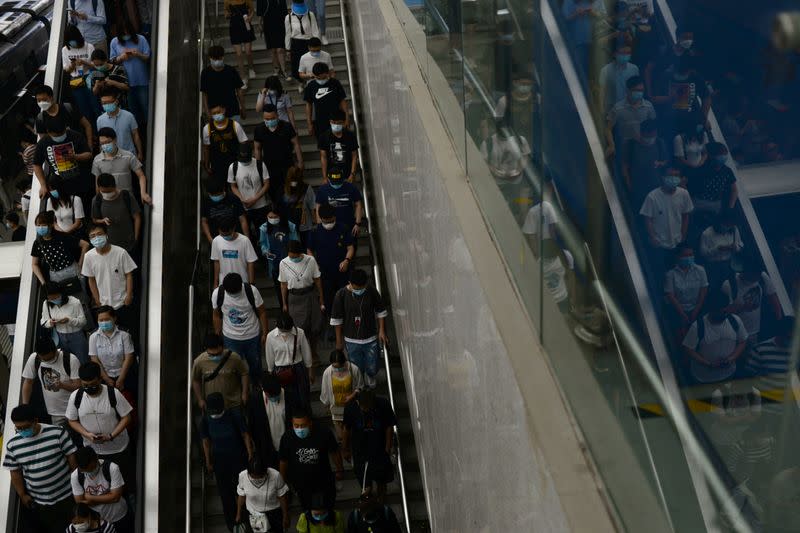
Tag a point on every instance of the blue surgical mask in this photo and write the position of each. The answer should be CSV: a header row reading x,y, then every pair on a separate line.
x,y
672,182
100,241
42,231
108,148
359,292
274,220
322,82
56,301
217,197
686,261
316,54
55,194
623,58
215,357
299,9
125,37
296,259
319,517
219,117
275,399
686,43
699,128
228,237
302,432
110,108
217,63
337,185
337,128
73,43
722,159
106,326
637,96
59,138
26,433
271,124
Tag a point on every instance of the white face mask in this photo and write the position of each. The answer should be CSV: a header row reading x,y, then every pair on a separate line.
x,y
45,105
108,195
80,528
328,225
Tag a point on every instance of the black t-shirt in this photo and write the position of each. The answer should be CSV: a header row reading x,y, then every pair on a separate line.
x,y
339,149
325,99
308,458
215,212
18,234
711,183
57,253
358,315
276,146
221,87
67,113
60,159
368,429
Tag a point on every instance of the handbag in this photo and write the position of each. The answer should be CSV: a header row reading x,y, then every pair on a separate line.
x,y
258,522
285,374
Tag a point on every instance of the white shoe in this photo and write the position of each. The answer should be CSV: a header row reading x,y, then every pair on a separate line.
x,y
252,74
324,40
244,86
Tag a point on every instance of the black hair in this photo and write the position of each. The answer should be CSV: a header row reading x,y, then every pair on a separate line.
x,y
110,91
213,340
785,326
320,67
716,148
327,211
99,54
270,384
26,135
85,456
106,309
216,52
56,183
215,184
45,345
338,114
716,300
84,511
12,217
256,466
300,413
53,288
274,83
72,33
106,180
126,26
358,277
285,321
296,247
89,371
227,224
338,357
315,42
269,108
54,124
232,283
633,81
107,132
43,89
23,413
46,217
95,227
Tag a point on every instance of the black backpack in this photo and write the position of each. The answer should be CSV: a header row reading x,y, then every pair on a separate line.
x,y
259,167
248,291
734,284
701,328
97,203
65,360
112,398
354,522
105,468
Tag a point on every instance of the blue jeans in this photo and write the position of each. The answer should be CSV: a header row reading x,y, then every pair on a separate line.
x,y
365,357
75,343
250,350
138,103
318,8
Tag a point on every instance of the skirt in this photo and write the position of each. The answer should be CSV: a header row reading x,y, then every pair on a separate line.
x,y
239,32
304,310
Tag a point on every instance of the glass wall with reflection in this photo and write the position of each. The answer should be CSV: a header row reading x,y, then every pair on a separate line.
x,y
638,163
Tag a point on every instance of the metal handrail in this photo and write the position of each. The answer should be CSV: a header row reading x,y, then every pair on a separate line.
x,y
373,255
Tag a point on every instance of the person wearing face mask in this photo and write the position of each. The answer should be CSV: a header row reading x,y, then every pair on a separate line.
x,y
642,161
263,502
67,208
507,154
331,244
274,237
250,181
90,18
49,108
371,516
345,198
218,205
299,26
67,156
321,517
12,224
273,94
298,202
63,316
278,146
133,52
689,146
232,252
240,316
359,316
301,292
323,95
713,186
581,16
48,378
240,16
685,289
227,448
87,520
338,146
112,349
314,55
748,289
306,454
273,14
666,214
121,121
715,341
55,256
221,139
102,414
40,458
75,56
121,164
120,213
268,417
220,370
288,357
718,244
665,58
99,484
615,75
107,75
626,116
221,83
341,382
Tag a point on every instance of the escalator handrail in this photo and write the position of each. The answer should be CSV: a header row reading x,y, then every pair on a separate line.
x,y
373,253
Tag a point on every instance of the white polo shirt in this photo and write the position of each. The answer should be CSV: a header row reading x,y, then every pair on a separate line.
x,y
686,285
111,349
299,275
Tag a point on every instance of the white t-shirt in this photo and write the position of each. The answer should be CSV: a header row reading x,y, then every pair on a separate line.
x,y
667,211
97,416
711,241
109,271
280,349
506,156
233,256
84,53
111,350
249,182
307,61
692,150
98,485
66,215
299,275
240,134
51,374
686,285
533,220
264,498
718,343
554,273
276,415
751,294
239,320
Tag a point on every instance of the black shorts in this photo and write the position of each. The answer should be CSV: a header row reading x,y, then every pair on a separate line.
x,y
379,470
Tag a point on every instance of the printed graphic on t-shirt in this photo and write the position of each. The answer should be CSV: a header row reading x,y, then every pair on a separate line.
x,y
683,95
308,456
552,280
51,379
322,92
337,151
230,254
340,201
96,489
752,298
236,317
61,158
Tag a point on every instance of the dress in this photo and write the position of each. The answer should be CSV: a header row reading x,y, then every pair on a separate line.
x,y
273,14
239,31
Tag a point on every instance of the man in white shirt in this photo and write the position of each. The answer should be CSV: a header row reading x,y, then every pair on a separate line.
x,y
541,214
666,214
109,270
57,374
746,291
615,75
685,288
240,317
718,244
99,484
314,55
250,183
232,252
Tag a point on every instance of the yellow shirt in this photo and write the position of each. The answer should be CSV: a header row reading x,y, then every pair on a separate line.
x,y
342,387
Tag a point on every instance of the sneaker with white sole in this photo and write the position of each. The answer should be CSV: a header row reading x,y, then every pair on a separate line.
x,y
244,86
324,40
252,74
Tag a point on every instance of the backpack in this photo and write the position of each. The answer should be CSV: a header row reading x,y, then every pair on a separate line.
x,y
259,166
105,468
112,398
354,521
97,203
734,284
701,328
94,5
65,359
248,291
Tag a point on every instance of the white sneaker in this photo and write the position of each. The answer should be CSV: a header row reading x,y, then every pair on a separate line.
x,y
324,40
252,74
244,86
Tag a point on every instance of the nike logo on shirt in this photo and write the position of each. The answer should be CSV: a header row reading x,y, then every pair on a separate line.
x,y
322,92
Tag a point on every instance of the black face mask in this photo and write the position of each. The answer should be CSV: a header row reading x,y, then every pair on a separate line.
x,y
91,390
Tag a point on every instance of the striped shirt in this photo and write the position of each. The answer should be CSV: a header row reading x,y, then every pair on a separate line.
x,y
770,363
104,527
42,459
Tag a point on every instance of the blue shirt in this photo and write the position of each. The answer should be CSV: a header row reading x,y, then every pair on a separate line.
x,y
93,28
123,124
225,434
343,199
330,246
137,69
580,27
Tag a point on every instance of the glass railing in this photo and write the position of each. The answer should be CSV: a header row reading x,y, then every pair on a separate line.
x,y
519,86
